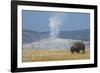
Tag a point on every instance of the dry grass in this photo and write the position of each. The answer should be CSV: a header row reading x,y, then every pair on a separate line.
x,y
30,55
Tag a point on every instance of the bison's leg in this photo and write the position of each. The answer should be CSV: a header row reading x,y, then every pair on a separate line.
x,y
78,51
72,51
83,49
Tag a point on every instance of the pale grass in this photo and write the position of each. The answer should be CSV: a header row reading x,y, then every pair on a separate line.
x,y
30,55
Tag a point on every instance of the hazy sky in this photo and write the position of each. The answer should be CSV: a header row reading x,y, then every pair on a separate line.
x,y
40,20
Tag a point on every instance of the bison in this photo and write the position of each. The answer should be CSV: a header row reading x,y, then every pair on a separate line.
x,y
77,47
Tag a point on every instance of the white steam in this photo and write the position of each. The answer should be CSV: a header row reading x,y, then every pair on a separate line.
x,y
55,23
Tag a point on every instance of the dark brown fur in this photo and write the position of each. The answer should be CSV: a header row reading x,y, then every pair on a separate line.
x,y
77,46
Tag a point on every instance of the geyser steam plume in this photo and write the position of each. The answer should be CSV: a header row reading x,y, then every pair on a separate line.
x,y
55,23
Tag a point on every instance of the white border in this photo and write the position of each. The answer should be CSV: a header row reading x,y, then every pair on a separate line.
x,y
53,63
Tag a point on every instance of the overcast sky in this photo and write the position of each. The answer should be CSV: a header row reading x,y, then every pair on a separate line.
x,y
40,20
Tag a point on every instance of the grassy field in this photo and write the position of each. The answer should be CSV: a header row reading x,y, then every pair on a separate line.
x,y
30,55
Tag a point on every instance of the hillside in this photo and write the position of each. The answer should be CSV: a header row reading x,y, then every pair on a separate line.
x,y
32,36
